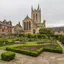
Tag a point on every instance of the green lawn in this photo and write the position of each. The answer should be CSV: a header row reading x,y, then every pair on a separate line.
x,y
31,43
26,44
14,45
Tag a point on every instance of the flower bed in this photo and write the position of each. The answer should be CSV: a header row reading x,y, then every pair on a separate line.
x,y
32,48
27,52
53,48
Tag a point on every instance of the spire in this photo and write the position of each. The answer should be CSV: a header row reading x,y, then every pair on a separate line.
x,y
27,16
31,8
38,7
44,22
19,23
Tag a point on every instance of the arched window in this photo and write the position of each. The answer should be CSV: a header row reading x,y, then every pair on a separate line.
x,y
33,16
24,26
29,25
36,16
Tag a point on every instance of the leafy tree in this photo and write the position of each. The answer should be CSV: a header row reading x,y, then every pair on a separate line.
x,y
47,31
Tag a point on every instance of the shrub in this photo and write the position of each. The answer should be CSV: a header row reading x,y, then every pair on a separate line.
x,y
28,35
10,40
7,56
60,38
27,52
47,31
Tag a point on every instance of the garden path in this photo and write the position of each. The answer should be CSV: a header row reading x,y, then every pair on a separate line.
x,y
43,58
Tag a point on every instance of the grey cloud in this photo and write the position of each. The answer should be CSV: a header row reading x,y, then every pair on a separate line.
x,y
16,10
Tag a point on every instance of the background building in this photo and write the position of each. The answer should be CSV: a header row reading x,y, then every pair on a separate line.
x,y
5,27
58,30
17,29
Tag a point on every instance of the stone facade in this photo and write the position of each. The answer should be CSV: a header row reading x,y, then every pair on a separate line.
x,y
33,24
5,27
17,29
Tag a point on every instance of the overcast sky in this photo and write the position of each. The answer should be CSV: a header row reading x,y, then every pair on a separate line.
x,y
16,10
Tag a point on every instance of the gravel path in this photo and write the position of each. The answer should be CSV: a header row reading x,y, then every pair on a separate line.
x,y
43,58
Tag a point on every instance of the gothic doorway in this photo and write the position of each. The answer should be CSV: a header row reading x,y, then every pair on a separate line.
x,y
34,31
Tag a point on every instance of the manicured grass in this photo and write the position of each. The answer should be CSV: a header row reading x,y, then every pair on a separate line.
x,y
31,43
14,45
26,44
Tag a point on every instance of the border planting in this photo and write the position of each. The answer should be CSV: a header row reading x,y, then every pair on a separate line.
x,y
27,52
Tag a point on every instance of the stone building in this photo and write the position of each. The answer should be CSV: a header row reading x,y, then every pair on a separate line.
x,y
58,30
5,27
17,29
33,24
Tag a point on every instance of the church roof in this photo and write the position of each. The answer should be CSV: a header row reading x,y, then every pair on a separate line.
x,y
27,17
58,29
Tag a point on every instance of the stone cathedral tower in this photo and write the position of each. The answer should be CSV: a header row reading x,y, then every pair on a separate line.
x,y
33,24
36,15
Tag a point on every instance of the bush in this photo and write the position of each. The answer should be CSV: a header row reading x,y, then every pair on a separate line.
x,y
28,35
47,31
10,40
60,38
27,52
7,56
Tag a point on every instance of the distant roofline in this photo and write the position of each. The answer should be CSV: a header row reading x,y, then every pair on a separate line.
x,y
55,27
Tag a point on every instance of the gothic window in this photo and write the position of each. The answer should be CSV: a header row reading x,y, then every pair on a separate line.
x,y
24,25
33,16
36,16
29,25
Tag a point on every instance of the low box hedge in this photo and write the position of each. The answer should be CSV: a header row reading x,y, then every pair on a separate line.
x,y
27,52
56,50
53,50
7,56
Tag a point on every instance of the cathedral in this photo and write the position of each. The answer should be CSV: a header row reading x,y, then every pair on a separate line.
x,y
33,24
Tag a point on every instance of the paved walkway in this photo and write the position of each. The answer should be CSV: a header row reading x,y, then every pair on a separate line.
x,y
43,58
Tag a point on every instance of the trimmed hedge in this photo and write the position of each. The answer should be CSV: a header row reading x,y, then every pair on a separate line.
x,y
7,56
56,50
27,52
